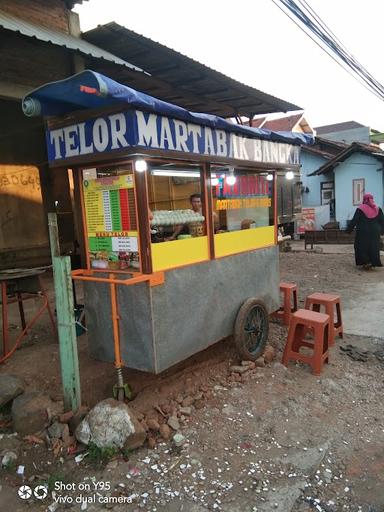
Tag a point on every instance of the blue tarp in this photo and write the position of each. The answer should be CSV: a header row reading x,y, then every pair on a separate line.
x,y
91,90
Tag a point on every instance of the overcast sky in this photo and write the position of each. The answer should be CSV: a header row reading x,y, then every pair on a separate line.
x,y
254,42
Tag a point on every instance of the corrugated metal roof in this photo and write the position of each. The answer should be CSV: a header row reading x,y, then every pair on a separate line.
x,y
179,79
9,22
330,128
326,148
355,147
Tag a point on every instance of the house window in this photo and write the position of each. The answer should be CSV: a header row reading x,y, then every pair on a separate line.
x,y
358,187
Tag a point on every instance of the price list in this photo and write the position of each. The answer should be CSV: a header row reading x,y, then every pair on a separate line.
x,y
111,218
109,207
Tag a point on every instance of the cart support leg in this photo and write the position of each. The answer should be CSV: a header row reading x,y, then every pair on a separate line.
x,y
120,390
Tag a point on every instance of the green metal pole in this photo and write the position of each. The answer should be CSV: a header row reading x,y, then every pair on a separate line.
x,y
65,320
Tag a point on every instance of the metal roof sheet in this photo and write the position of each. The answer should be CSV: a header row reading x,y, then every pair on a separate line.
x,y
355,147
330,128
55,37
179,79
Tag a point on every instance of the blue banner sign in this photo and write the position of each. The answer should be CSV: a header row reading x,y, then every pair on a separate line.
x,y
133,128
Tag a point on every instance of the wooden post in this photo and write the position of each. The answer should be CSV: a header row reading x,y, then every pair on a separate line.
x,y
65,320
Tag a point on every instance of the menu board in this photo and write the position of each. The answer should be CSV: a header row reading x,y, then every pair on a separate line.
x,y
111,222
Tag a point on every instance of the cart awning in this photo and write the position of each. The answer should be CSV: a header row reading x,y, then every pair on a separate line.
x,y
91,90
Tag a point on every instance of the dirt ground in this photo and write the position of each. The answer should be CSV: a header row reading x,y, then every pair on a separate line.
x,y
272,439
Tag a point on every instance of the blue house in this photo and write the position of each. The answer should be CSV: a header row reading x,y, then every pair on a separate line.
x,y
356,169
318,189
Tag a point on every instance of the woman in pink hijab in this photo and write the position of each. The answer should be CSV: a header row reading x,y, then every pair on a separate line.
x,y
369,223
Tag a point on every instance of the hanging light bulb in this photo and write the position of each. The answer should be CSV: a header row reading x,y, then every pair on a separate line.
x,y
289,175
269,177
214,180
141,165
231,178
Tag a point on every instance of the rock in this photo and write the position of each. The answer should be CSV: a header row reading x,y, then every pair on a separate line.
x,y
269,354
144,424
10,387
56,430
64,418
235,377
111,424
186,411
208,395
166,408
78,417
188,401
239,369
153,424
260,363
179,399
8,458
151,442
173,422
165,431
31,413
199,404
9,443
178,439
279,366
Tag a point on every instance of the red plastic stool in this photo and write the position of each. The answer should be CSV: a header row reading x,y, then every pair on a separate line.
x,y
331,302
301,321
289,306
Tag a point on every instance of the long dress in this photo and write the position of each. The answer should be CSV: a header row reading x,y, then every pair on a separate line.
x,y
367,239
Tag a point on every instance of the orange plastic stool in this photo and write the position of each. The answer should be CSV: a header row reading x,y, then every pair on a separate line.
x,y
331,302
301,321
289,306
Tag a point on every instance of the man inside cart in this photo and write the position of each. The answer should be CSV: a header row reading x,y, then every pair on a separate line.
x,y
195,228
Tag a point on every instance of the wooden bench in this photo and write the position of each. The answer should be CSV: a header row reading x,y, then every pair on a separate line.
x,y
328,236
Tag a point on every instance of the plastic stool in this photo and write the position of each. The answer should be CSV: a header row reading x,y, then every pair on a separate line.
x,y
319,323
289,306
330,302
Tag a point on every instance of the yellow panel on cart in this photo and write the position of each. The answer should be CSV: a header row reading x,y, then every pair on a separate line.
x,y
179,252
243,240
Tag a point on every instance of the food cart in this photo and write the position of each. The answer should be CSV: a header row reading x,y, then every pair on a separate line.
x,y
179,222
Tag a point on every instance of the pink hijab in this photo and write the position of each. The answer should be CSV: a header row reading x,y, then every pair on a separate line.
x,y
369,207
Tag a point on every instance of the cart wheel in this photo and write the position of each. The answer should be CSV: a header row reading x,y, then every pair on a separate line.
x,y
251,329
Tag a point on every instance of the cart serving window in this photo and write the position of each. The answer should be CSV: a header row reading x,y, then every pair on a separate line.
x,y
169,200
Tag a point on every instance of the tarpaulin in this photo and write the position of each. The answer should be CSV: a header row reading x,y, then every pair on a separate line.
x,y
91,90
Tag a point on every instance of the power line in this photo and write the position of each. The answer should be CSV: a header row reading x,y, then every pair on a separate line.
x,y
315,28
